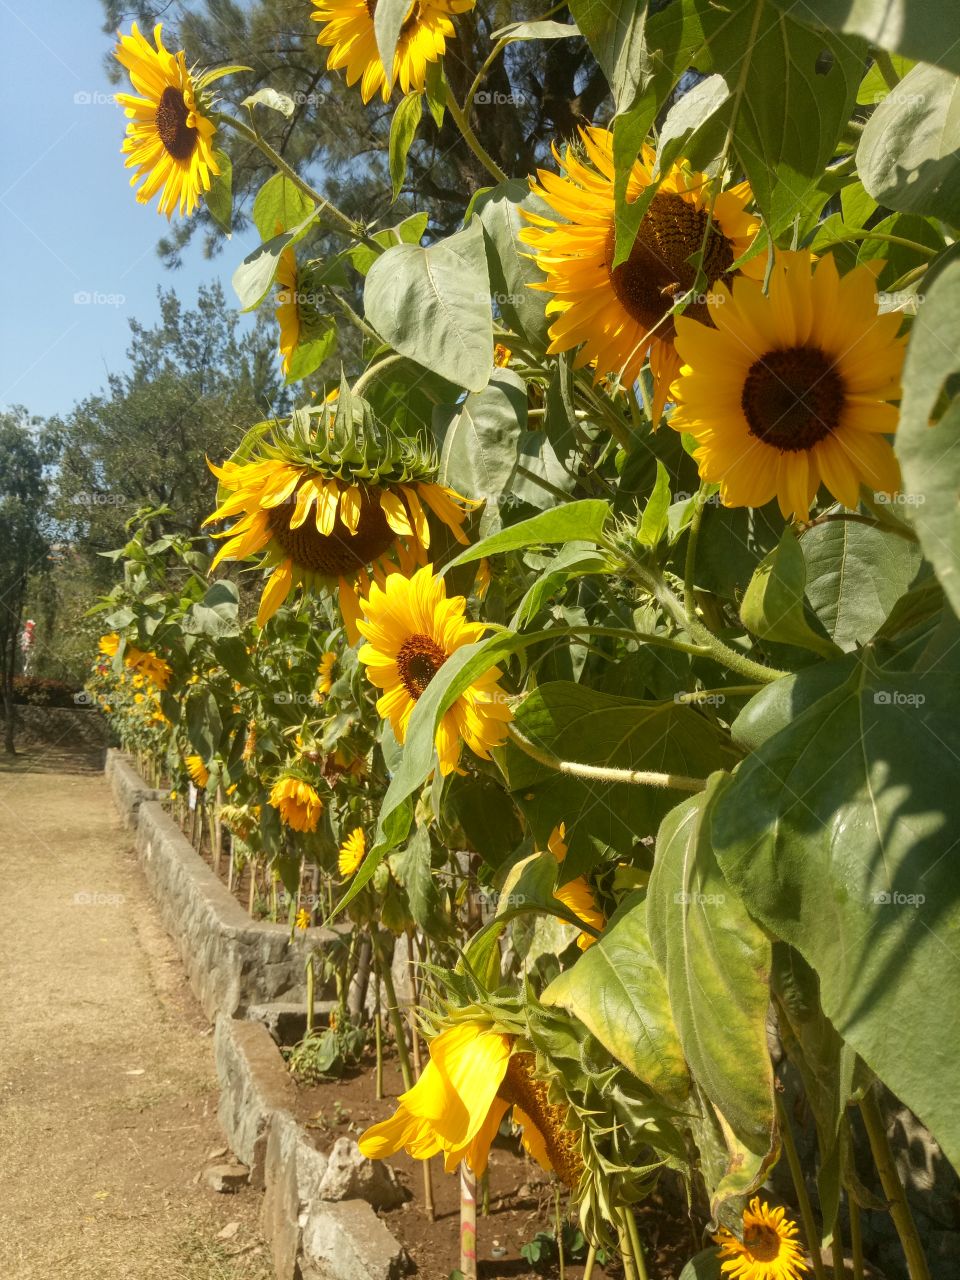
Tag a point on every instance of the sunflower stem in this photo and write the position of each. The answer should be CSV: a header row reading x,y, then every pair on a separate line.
x,y
311,984
856,1236
887,238
800,1187
469,137
602,773
886,68
690,563
468,1222
347,225
591,1259
373,372
892,1187
378,1026
395,1017
638,1255
626,1247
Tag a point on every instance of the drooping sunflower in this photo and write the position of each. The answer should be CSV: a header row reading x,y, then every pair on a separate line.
x,y
348,32
297,803
331,502
769,1249
352,852
793,388
620,316
299,312
169,140
325,669
197,770
411,629
576,895
472,1079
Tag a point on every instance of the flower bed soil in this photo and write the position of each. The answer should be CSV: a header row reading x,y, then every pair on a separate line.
x,y
521,1194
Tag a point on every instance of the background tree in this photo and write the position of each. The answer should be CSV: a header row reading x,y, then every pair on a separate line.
x,y
26,449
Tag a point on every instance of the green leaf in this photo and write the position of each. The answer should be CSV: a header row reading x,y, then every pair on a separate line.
x,y
409,231
388,20
772,606
694,127
403,130
580,725
583,521
481,445
204,726
618,993
792,92
929,31
271,98
535,31
653,523
216,614
433,305
512,268
614,32
855,575
716,962
254,276
928,440
776,706
704,1265
310,353
573,560
839,834
413,870
279,206
219,199
909,155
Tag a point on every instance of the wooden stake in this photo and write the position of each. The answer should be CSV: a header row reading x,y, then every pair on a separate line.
x,y
468,1223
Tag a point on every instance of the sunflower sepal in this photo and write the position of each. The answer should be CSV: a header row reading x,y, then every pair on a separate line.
x,y
212,74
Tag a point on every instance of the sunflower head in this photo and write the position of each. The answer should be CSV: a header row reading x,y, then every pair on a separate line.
x,y
197,770
109,644
297,802
576,895
299,313
769,1249
352,852
411,629
329,497
169,142
792,389
348,32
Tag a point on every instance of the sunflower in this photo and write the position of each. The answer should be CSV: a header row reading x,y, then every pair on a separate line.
x,y
412,629
472,1079
108,644
349,33
768,1251
155,669
793,388
303,919
327,663
197,770
297,803
576,895
169,139
618,316
298,312
352,852
328,507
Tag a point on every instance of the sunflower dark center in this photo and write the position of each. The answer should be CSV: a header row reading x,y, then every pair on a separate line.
x,y
657,273
172,115
762,1241
419,660
793,398
339,553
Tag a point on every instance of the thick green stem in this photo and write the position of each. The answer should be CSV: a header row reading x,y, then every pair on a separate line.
x,y
395,1016
892,1187
856,1237
311,986
469,137
374,371
800,1187
626,1247
591,1259
636,777
886,68
639,1260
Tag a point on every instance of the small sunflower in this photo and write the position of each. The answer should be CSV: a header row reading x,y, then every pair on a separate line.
x,y
769,1249
298,310
352,852
348,32
325,669
156,669
411,629
197,770
169,140
109,644
472,1079
576,895
330,503
250,742
297,803
303,919
793,388
620,316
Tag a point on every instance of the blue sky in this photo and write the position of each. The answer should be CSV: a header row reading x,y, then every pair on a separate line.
x,y
69,223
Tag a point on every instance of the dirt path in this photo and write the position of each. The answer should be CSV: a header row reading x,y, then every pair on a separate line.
x,y
107,1088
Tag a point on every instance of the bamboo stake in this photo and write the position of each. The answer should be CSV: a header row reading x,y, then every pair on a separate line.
x,y
892,1187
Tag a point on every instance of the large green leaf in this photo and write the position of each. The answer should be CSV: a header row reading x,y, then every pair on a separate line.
x,y
855,575
403,130
792,91
433,305
928,439
716,963
840,834
580,725
216,614
929,32
618,993
582,521
909,155
614,32
254,276
773,607
512,266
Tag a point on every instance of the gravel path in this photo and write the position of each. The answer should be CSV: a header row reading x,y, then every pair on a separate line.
x,y
107,1088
